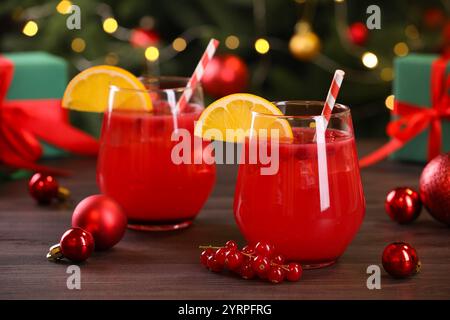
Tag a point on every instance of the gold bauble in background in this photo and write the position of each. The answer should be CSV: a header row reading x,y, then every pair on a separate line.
x,y
304,45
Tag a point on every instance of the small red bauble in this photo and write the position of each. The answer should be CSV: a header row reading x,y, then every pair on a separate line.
x,y
77,244
142,38
358,33
434,18
225,74
435,188
43,188
403,205
400,260
103,218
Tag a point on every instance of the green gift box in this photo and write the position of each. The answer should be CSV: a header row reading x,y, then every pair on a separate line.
x,y
413,86
32,122
38,75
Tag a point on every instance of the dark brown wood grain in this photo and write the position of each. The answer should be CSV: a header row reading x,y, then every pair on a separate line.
x,y
165,265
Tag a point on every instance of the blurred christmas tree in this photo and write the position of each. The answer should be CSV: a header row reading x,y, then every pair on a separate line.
x,y
290,47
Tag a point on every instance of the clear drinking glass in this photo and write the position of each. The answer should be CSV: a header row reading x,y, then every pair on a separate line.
x,y
136,164
310,204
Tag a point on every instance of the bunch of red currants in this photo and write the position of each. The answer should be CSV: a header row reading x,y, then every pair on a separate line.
x,y
260,260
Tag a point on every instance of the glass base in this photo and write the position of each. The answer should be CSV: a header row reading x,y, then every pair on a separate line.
x,y
159,225
309,266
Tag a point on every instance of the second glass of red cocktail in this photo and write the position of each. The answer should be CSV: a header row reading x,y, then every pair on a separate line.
x,y
310,203
136,164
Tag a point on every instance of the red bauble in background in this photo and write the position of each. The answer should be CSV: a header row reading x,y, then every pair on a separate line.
x,y
103,218
43,188
358,33
434,18
400,260
76,244
446,32
225,74
435,188
403,205
141,38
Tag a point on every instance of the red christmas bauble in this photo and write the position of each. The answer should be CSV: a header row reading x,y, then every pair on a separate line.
x,y
225,74
435,188
358,33
43,188
141,38
400,260
103,218
77,244
403,205
446,32
434,18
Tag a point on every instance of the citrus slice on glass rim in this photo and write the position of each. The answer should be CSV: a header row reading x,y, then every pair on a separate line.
x,y
89,90
231,119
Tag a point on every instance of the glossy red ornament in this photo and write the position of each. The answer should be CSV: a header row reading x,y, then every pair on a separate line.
x,y
225,74
400,260
434,18
446,32
358,33
142,38
43,188
403,205
77,244
103,218
435,188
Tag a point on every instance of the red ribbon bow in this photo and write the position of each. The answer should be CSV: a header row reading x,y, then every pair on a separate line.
x,y
415,119
23,122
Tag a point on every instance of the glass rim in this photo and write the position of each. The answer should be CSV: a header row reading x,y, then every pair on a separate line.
x,y
344,110
144,79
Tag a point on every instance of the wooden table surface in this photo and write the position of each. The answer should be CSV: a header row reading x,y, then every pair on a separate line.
x,y
165,265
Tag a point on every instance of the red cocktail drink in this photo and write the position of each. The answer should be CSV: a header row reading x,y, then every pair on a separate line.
x,y
312,207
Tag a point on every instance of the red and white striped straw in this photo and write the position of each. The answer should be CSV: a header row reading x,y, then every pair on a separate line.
x,y
332,95
198,74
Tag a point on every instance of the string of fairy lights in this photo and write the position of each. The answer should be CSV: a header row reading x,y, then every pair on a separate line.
x,y
304,45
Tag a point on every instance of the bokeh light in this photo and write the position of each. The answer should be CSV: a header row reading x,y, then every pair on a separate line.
x,y
110,25
262,46
152,53
369,60
30,29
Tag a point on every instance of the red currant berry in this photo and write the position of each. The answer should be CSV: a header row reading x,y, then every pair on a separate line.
x,y
246,271
279,259
234,259
214,265
248,249
231,244
295,271
205,255
276,274
221,255
261,265
264,249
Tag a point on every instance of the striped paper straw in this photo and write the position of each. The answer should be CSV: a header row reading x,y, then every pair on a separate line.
x,y
332,95
319,137
197,75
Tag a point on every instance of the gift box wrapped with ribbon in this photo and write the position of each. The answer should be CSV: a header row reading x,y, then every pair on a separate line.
x,y
32,123
420,126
